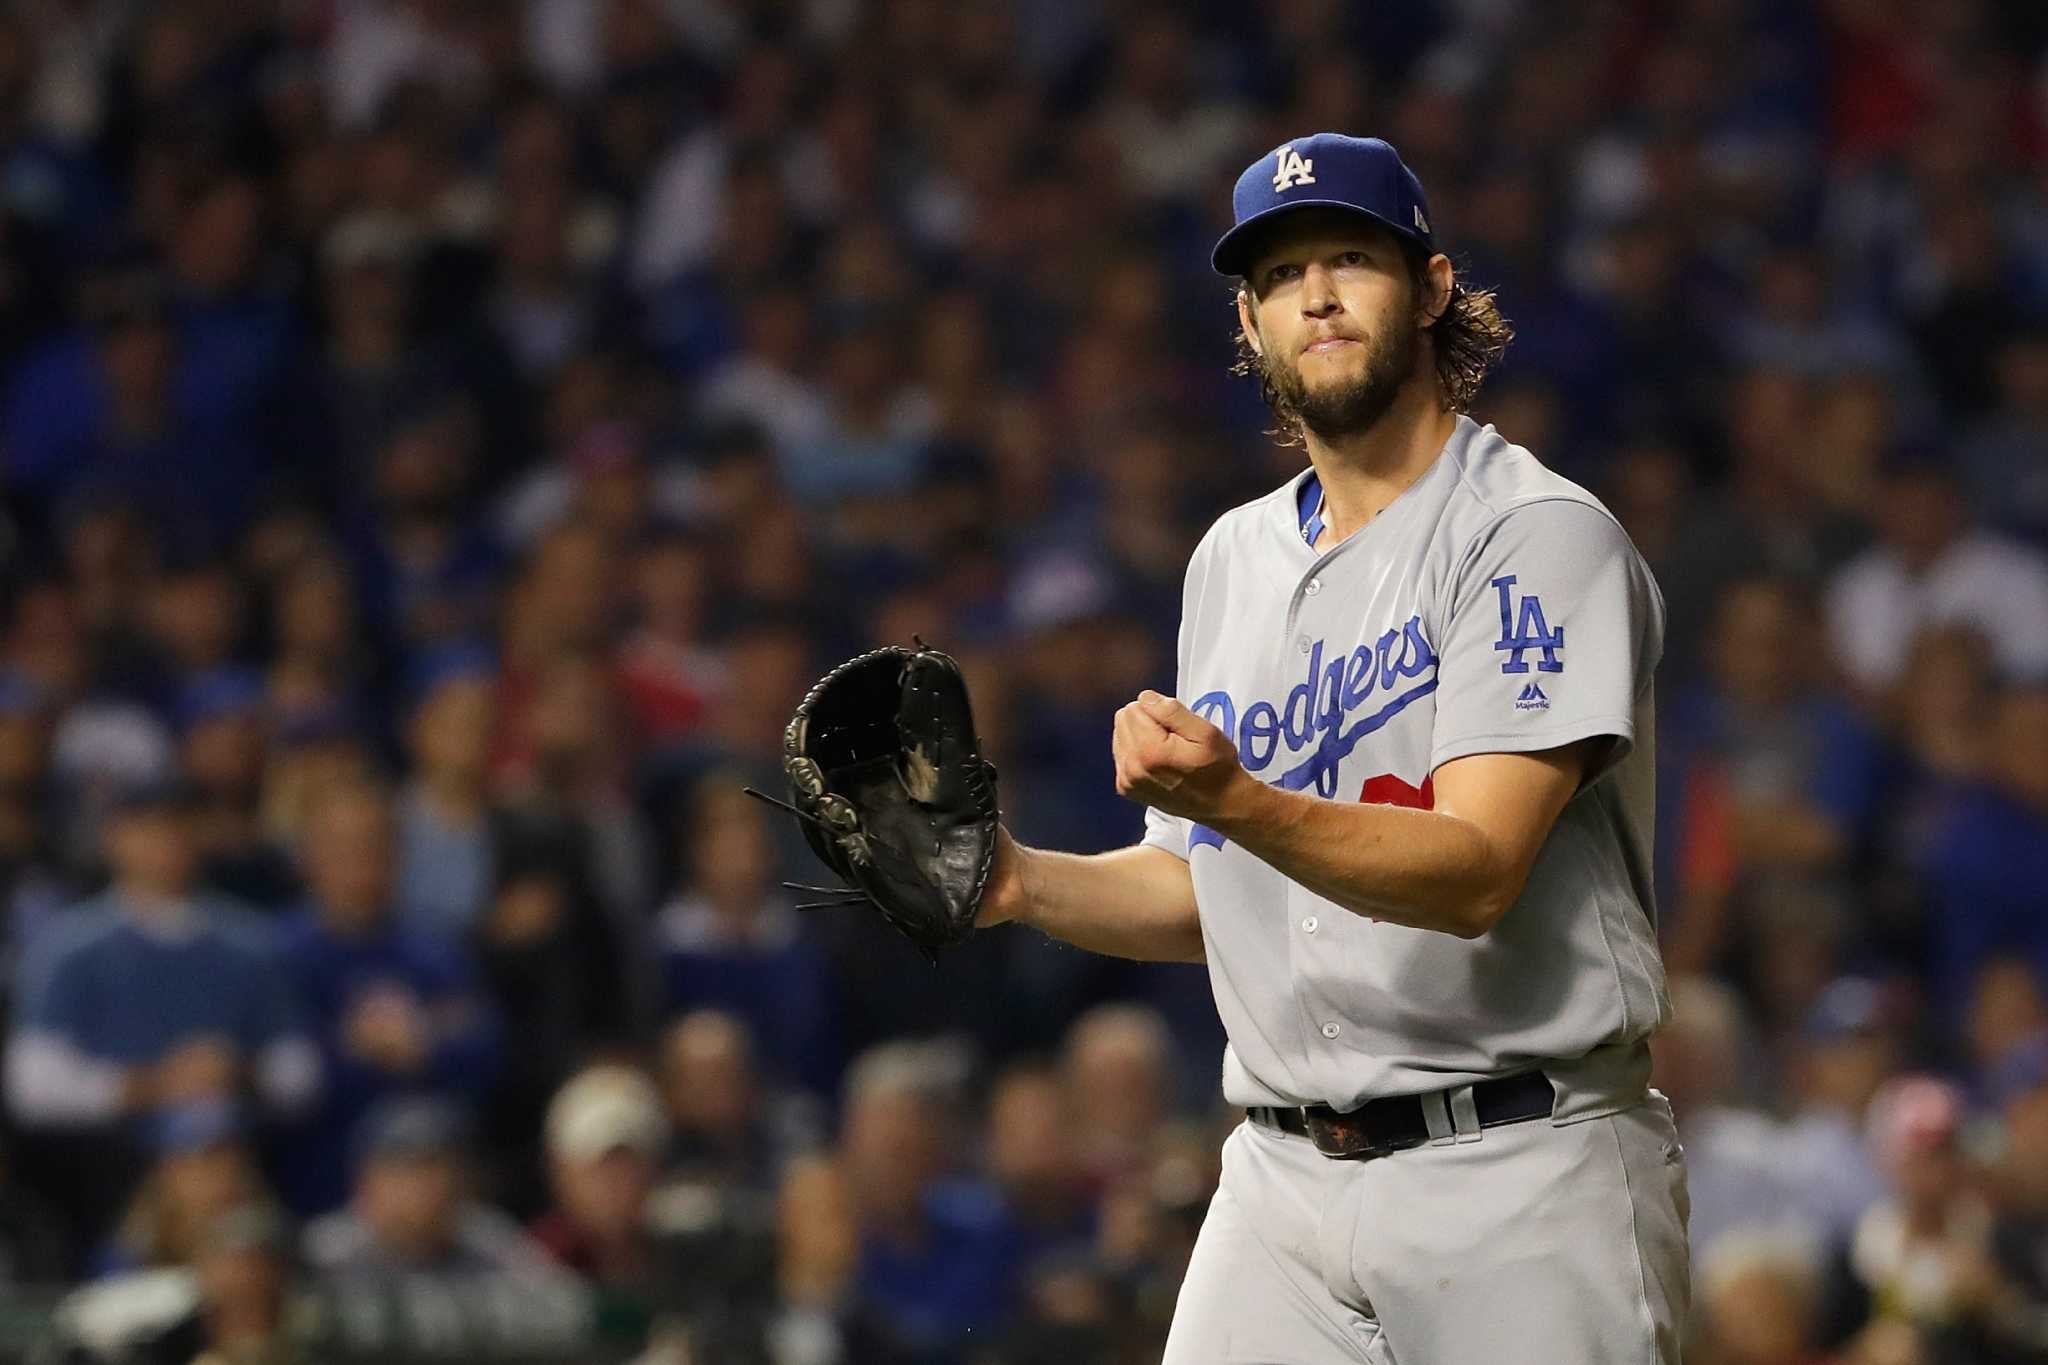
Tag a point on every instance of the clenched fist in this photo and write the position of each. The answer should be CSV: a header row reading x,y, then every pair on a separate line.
x,y
1170,758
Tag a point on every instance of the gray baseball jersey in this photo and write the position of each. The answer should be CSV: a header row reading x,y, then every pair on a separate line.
x,y
1493,607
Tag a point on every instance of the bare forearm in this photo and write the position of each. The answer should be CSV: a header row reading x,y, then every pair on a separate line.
x,y
1136,902
1424,869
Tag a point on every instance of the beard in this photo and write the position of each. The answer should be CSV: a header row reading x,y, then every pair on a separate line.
x,y
1352,405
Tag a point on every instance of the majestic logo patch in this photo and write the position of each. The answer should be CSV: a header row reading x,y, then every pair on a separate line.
x,y
1532,699
1294,170
1524,630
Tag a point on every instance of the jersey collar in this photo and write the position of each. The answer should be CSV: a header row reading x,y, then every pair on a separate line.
x,y
1308,504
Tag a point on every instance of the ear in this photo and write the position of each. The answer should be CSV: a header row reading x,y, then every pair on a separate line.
x,y
1246,322
1438,279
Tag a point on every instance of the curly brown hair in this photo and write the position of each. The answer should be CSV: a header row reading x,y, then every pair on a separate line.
x,y
1467,340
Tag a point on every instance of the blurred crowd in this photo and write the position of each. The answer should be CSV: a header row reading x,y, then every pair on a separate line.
x,y
440,440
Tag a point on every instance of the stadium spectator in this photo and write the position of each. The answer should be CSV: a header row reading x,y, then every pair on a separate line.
x,y
667,670
395,1010
1734,1167
245,1273
1769,780
934,1251
1766,520
139,402
606,1136
223,745
817,1269
412,1213
425,573
1923,1254
729,941
195,616
766,382
1932,567
1941,717
319,656
2008,1012
233,1304
154,993
1985,850
1117,1063
1847,1047
1033,1161
371,372
564,784
732,1128
447,854
1759,1302
204,1166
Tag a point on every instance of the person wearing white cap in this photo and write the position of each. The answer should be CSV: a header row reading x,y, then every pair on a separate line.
x,y
606,1136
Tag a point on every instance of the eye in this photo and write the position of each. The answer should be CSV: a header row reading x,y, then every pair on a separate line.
x,y
1352,258
1280,273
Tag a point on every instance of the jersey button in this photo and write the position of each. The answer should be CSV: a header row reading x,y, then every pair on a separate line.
x,y
1331,1030
1304,644
1310,925
1313,586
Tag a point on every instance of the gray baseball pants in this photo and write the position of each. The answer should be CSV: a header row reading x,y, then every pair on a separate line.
x,y
1535,1243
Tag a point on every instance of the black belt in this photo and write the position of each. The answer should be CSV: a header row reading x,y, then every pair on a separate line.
x,y
1399,1122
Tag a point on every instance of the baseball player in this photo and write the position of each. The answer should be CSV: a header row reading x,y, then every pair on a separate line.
x,y
1401,806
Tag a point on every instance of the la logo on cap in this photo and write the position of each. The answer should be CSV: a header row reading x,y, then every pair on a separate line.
x,y
1293,170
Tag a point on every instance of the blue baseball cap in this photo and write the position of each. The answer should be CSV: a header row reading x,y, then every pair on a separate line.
x,y
219,692
1326,170
454,661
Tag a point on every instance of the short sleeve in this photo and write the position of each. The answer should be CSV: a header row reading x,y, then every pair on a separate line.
x,y
1169,832
1553,630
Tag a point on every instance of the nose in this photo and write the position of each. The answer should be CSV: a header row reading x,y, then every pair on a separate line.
x,y
1319,292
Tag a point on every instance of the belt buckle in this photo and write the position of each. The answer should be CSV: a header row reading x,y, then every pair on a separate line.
x,y
1342,1137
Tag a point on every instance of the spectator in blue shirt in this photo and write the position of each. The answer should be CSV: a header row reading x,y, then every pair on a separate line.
x,y
153,993
729,942
935,1251
144,403
1034,1158
1986,866
1769,782
447,853
394,1010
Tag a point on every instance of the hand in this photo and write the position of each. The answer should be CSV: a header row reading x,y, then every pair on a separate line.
x,y
202,1069
1170,758
387,1029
